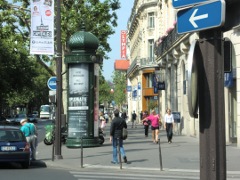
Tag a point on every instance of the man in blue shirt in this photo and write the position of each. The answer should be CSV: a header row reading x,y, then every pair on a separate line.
x,y
29,131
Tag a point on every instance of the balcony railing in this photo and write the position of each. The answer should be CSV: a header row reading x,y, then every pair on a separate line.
x,y
166,42
147,61
142,63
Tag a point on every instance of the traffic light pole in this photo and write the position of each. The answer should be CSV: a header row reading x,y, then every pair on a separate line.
x,y
211,105
57,142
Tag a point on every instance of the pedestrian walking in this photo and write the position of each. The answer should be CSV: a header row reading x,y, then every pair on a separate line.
x,y
141,116
106,117
28,130
154,119
134,117
102,121
146,123
124,115
117,125
168,125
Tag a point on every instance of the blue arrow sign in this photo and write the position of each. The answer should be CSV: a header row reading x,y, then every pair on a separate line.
x,y
201,17
183,3
52,83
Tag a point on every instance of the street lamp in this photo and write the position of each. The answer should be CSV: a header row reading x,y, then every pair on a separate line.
x,y
112,91
160,75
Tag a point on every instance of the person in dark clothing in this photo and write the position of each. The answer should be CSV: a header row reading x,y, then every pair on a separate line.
x,y
117,125
134,118
124,115
141,115
145,123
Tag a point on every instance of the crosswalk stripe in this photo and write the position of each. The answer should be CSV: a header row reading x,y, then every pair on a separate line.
x,y
129,176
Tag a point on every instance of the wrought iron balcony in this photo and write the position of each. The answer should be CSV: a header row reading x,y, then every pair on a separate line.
x,y
140,63
165,42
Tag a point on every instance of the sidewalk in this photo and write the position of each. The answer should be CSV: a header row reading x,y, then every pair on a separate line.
x,y
182,155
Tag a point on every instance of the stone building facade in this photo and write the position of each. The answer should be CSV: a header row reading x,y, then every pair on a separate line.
x,y
155,21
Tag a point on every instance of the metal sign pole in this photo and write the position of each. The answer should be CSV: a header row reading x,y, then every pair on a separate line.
x,y
58,153
211,106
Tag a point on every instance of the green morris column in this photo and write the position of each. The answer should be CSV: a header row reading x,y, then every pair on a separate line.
x,y
82,100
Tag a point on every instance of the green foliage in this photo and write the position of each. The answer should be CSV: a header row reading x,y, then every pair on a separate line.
x,y
23,77
152,105
18,72
120,83
99,18
104,91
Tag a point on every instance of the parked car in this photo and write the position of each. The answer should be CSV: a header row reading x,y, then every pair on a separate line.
x,y
35,113
13,146
17,118
32,118
3,120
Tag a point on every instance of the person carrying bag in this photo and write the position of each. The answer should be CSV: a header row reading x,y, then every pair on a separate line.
x,y
116,136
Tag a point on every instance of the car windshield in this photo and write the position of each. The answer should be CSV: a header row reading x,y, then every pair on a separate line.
x,y
21,116
11,135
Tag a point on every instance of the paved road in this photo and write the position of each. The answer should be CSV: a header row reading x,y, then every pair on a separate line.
x,y
180,159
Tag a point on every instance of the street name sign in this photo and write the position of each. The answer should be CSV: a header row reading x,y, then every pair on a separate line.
x,y
52,83
204,16
182,3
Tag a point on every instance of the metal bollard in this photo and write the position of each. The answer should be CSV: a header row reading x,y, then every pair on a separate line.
x,y
160,155
119,153
53,151
81,152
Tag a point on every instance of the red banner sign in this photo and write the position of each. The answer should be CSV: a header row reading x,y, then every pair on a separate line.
x,y
123,44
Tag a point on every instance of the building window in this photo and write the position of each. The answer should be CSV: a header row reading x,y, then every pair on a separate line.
x,y
151,50
151,22
149,80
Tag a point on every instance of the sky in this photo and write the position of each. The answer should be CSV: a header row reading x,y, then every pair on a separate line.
x,y
123,15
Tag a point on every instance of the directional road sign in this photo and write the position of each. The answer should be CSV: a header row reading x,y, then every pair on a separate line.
x,y
183,3
201,17
52,83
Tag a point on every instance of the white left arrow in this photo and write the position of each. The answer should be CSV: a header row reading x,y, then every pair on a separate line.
x,y
194,18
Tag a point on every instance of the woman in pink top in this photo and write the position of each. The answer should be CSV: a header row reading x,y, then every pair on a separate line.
x,y
154,118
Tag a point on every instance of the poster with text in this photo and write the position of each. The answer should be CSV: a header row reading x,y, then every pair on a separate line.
x,y
78,87
42,27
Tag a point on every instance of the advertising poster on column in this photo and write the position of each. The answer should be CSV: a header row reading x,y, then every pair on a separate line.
x,y
78,98
96,99
42,27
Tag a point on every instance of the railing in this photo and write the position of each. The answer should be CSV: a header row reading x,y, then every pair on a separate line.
x,y
167,42
132,65
147,61
141,63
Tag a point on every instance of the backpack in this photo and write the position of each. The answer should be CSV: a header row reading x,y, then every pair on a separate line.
x,y
124,133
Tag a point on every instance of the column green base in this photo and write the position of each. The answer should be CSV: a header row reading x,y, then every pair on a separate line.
x,y
86,142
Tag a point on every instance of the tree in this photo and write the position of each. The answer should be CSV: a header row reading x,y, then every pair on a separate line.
x,y
99,18
120,83
104,90
152,105
20,73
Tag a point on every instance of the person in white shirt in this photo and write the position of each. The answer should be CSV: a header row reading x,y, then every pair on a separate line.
x,y
106,117
168,125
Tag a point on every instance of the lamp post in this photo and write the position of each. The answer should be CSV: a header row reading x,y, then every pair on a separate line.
x,y
160,74
112,99
57,143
